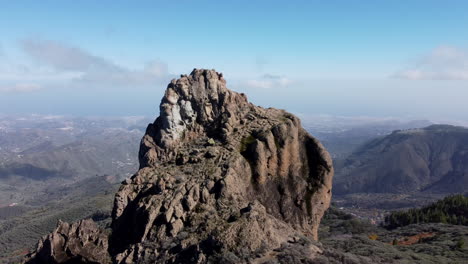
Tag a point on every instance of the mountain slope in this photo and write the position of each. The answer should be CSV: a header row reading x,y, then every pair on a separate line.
x,y
20,229
40,154
433,159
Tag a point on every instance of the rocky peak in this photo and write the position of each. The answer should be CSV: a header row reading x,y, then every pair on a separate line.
x,y
221,180
192,105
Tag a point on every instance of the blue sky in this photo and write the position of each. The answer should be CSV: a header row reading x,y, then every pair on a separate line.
x,y
374,58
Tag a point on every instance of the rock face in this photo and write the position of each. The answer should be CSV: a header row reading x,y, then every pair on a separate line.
x,y
221,180
80,242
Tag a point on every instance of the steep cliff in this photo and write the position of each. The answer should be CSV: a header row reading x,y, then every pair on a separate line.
x,y
221,180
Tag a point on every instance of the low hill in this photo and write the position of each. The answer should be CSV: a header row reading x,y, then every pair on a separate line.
x,y
432,159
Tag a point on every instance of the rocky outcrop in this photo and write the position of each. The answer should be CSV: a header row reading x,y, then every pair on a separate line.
x,y
219,176
192,106
221,180
81,242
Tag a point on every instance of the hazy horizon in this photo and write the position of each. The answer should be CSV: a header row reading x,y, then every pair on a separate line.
x,y
395,59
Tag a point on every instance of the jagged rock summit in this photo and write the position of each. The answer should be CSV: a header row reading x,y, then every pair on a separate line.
x,y
220,180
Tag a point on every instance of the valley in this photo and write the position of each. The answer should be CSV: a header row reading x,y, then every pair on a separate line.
x,y
70,174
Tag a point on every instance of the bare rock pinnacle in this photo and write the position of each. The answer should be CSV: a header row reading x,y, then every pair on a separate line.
x,y
221,180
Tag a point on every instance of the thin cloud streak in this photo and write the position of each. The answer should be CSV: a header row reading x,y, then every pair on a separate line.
x,y
269,81
442,63
64,57
20,87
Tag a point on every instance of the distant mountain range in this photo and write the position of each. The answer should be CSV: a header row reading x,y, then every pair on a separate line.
x,y
432,159
39,154
42,146
343,135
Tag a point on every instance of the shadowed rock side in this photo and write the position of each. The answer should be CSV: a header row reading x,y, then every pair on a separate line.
x,y
221,180
81,242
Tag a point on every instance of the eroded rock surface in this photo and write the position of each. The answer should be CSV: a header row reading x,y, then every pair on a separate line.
x,y
221,180
81,242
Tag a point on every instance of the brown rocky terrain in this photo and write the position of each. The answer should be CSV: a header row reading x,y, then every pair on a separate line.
x,y
80,242
220,180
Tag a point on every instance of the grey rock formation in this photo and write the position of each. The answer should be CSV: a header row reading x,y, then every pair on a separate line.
x,y
221,180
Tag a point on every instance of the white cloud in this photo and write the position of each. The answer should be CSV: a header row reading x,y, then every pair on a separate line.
x,y
268,81
64,57
20,87
442,63
63,65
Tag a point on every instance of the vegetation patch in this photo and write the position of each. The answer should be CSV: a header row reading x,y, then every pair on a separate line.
x,y
410,240
353,240
245,143
451,210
